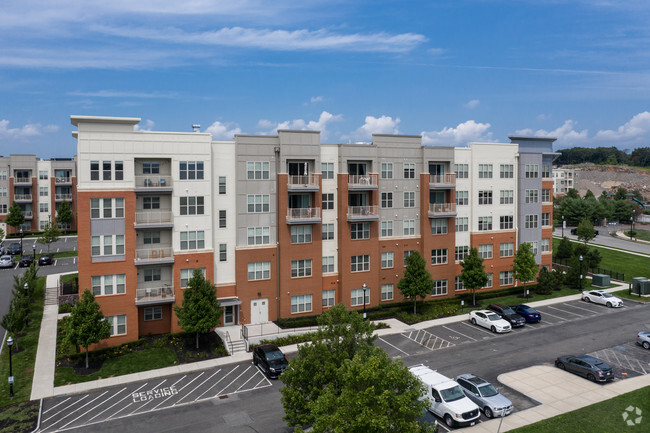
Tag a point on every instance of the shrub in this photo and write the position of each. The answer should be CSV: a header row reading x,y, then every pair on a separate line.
x,y
65,308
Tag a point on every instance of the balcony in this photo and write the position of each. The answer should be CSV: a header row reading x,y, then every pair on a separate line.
x,y
27,214
303,215
22,180
150,183
63,180
442,210
63,197
150,219
155,295
154,256
363,213
442,181
303,183
23,198
362,182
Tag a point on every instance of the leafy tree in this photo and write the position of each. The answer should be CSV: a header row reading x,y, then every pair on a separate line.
x,y
589,194
545,282
572,276
64,214
15,216
473,275
592,258
2,234
564,249
621,194
201,311
49,235
585,231
524,267
558,278
86,324
14,320
417,280
572,193
622,211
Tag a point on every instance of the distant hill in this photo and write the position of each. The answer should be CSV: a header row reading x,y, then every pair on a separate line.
x,y
639,157
599,178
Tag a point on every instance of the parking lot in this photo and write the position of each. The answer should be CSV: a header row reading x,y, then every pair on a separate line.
x,y
81,410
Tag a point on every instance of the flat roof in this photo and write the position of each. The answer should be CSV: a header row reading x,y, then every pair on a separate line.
x,y
75,119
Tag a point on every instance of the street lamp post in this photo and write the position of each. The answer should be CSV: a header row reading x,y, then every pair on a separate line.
x,y
632,220
21,241
26,288
34,251
364,300
10,342
581,259
562,225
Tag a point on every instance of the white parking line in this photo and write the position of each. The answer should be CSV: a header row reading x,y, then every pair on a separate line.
x,y
82,398
460,333
83,414
581,308
188,383
477,327
74,411
56,405
149,401
203,393
113,403
173,384
393,346
564,311
233,381
552,315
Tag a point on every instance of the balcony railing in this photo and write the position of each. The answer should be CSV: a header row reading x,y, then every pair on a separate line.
x,y
442,180
155,295
63,197
145,256
63,179
150,217
308,183
153,181
366,181
303,215
27,214
22,197
363,213
442,209
22,180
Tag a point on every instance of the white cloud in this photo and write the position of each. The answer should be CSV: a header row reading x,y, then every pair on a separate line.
x,y
146,126
636,130
321,124
315,99
462,134
472,104
374,125
223,131
122,94
566,134
28,130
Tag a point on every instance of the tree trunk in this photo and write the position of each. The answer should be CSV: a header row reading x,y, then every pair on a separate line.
x,y
415,300
197,340
524,289
473,297
86,357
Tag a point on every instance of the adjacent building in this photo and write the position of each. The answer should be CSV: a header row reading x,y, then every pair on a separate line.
x,y
564,179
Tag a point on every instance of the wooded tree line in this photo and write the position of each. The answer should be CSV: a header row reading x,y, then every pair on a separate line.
x,y
639,157
575,208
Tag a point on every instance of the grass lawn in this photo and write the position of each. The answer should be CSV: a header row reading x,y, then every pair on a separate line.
x,y
69,278
639,234
19,418
603,417
626,294
62,254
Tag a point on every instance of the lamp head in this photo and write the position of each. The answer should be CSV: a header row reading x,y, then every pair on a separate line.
x,y
581,258
10,341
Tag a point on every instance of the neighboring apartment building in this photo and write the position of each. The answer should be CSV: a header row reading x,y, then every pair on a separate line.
x,y
287,226
564,179
39,187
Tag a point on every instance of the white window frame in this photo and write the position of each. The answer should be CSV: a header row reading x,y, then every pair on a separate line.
x,y
484,223
357,298
439,226
360,263
327,232
301,304
485,171
461,251
258,203
329,298
259,271
359,231
301,234
439,256
387,291
387,259
152,313
485,251
192,238
440,287
386,170
506,196
462,224
462,198
301,268
328,264
409,227
409,199
258,170
386,229
117,322
507,171
531,221
461,170
505,278
186,276
259,235
507,249
106,285
506,222
327,170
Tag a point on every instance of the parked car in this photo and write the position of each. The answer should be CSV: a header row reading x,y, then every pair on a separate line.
x,y
508,314
643,339
7,261
601,297
45,259
490,320
25,261
486,396
14,249
270,359
587,366
575,232
530,314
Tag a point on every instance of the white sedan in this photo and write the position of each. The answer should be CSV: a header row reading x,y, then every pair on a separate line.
x,y
490,320
601,297
7,262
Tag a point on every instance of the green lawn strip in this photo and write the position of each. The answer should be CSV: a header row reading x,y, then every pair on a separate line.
x,y
69,278
639,234
62,254
125,364
603,417
23,361
626,294
19,418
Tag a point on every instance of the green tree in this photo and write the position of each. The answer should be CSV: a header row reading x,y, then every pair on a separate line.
x,y
589,194
592,258
473,275
50,234
564,249
585,231
2,235
417,280
524,267
621,194
15,216
572,193
201,311
545,282
86,324
558,278
64,214
14,320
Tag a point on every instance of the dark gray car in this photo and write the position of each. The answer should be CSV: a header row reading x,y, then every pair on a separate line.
x,y
586,366
486,396
508,314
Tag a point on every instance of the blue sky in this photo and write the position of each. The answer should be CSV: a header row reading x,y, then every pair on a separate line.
x,y
454,71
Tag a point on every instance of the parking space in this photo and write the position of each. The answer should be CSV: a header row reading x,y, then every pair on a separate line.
x,y
68,412
628,359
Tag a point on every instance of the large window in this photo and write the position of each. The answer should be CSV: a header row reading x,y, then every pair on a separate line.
x,y
328,298
151,237
186,276
546,171
360,263
301,234
546,195
485,171
107,207
256,170
192,205
409,171
386,170
461,253
118,324
300,303
485,197
259,271
531,221
191,170
462,198
258,203
152,274
507,249
152,313
546,219
328,201
386,200
461,170
409,227
507,171
532,171
328,264
484,223
506,196
108,284
42,191
386,229
258,235
438,226
505,278
300,268
327,170
360,231
546,245
387,259
328,231
506,222
462,224
439,256
532,196
222,184
43,207
485,251
107,245
439,287
150,167
387,292
193,240
357,298
409,199
150,203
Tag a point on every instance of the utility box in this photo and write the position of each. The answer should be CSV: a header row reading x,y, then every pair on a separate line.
x,y
636,284
644,288
600,280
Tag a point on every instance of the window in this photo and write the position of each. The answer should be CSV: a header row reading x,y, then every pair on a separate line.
x,y
42,191
386,200
546,171
386,170
386,229
192,205
531,221
186,276
458,284
42,174
439,256
43,207
532,196
107,168
357,298
532,171
533,247
489,281
222,184
42,225
152,274
256,170
259,271
409,227
328,231
258,203
485,251
150,167
3,174
300,303
505,278
152,313
462,224
507,171
107,207
360,263
193,240
360,231
150,202
108,245
407,253
191,170
506,222
485,171
386,292
485,197
328,264
546,245
258,235
94,170
409,199
328,201
301,234
507,249
461,170
328,298
439,287
546,195
484,223
300,268
327,169
108,284
150,238
462,198
119,170
118,324
222,219
409,171
223,255
507,196
438,226
387,259
546,219
461,253
3,208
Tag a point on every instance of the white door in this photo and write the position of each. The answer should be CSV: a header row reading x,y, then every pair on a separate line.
x,y
259,311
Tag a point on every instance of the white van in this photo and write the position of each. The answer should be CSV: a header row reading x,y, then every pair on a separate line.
x,y
446,398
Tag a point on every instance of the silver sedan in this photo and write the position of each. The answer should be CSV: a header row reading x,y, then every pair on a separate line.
x,y
7,262
643,339
601,297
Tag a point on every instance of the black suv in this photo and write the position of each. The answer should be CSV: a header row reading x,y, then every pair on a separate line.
x,y
14,249
508,314
270,359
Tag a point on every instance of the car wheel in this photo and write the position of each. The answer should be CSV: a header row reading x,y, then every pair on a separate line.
x,y
646,345
609,305
488,412
587,300
473,321
591,377
449,420
493,329
560,366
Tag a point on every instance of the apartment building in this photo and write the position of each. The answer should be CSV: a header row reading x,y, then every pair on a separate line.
x,y
39,187
564,179
287,226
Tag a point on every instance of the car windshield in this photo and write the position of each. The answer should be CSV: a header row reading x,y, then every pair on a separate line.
x,y
494,317
508,311
488,390
274,355
452,394
607,295
529,310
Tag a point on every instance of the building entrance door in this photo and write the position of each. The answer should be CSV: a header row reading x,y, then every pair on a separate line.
x,y
229,315
259,311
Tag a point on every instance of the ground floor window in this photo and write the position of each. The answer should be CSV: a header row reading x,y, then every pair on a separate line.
x,y
386,292
328,298
439,287
118,324
152,313
301,303
356,297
